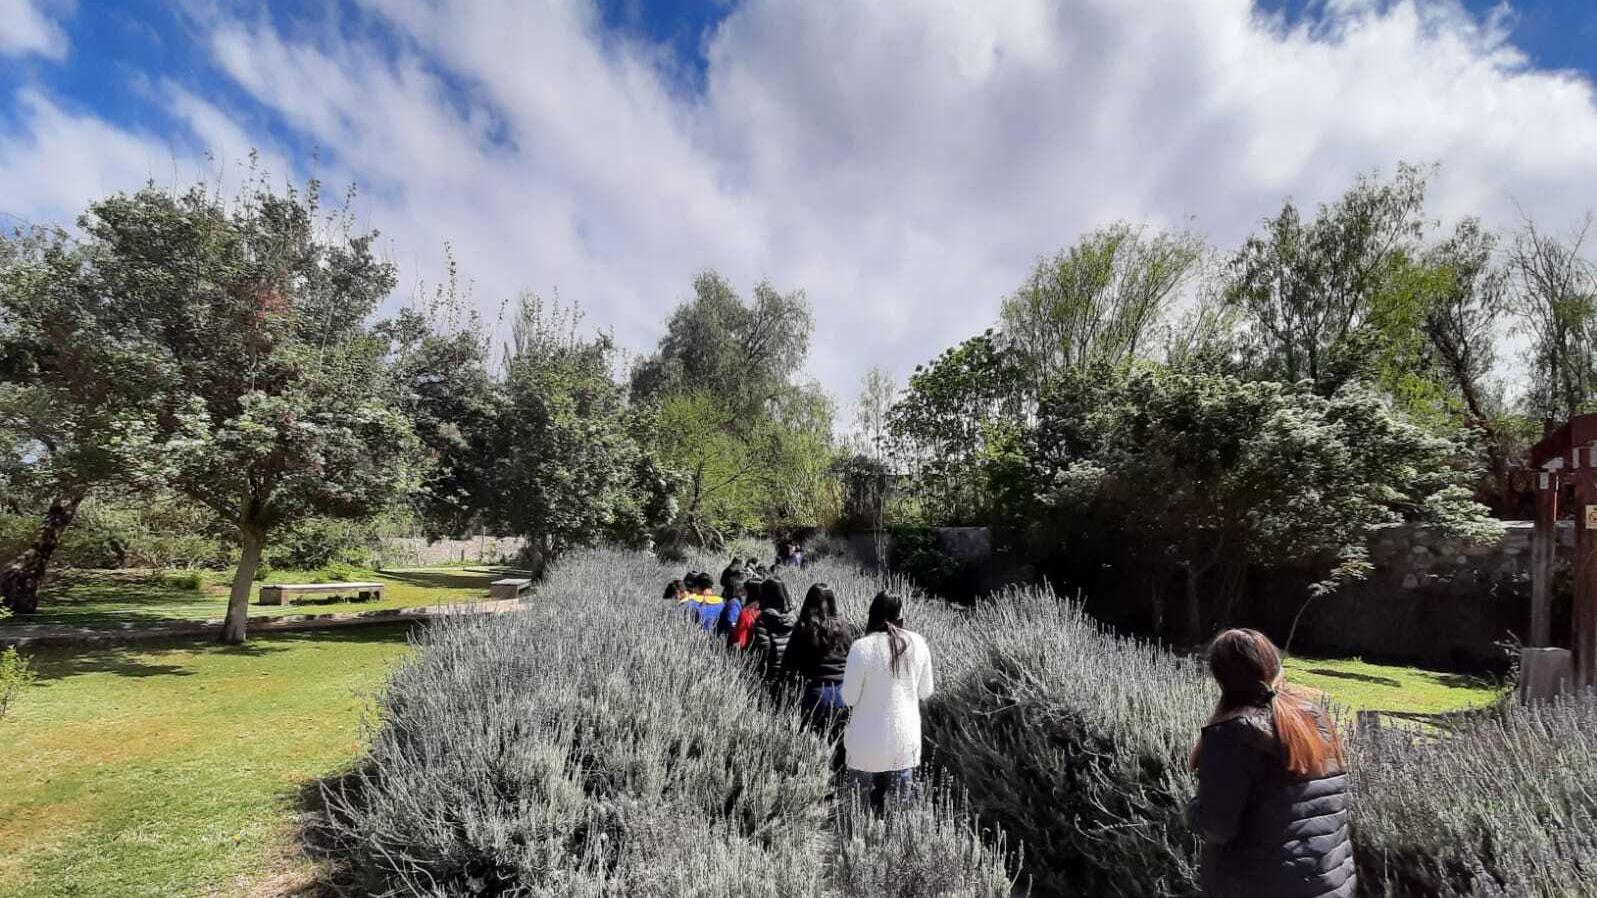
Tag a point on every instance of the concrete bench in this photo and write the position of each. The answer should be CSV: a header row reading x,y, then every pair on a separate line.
x,y
278,593
508,588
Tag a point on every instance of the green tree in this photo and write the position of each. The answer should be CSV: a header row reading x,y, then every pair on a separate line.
x,y
76,379
1193,479
275,403
1555,289
570,462
1309,288
1098,302
747,440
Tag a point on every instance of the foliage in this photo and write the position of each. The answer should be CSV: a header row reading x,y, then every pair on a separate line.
x,y
1097,303
747,443
567,467
1310,289
274,401
943,423
317,542
1499,806
16,675
530,732
1555,287
1172,474
438,362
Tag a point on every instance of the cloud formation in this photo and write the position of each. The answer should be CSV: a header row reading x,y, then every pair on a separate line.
x,y
25,29
903,161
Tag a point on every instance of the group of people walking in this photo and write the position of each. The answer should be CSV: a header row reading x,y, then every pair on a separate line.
x,y
1272,802
869,681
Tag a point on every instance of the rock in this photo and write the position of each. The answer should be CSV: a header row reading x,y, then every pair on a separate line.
x,y
1411,582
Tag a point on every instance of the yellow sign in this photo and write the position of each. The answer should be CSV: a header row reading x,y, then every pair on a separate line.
x,y
1591,517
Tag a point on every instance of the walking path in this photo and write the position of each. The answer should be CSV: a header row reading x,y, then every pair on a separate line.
x,y
88,634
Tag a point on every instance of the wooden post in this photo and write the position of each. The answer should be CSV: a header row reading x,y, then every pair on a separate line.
x,y
1585,616
1543,551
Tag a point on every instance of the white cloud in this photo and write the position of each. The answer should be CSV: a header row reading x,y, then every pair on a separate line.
x,y
903,161
26,29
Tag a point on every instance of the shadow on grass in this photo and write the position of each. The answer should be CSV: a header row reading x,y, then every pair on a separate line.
x,y
443,580
82,597
1362,678
149,658
319,838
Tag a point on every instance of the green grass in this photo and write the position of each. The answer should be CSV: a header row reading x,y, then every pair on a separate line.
x,y
176,768
102,597
1358,685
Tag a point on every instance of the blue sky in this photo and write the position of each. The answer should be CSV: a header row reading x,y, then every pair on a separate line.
x,y
902,161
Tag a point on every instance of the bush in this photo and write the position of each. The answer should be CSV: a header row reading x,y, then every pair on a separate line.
x,y
191,580
1501,806
316,543
536,753
16,675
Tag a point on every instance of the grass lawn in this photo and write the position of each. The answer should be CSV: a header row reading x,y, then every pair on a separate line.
x,y
1361,686
173,769
101,597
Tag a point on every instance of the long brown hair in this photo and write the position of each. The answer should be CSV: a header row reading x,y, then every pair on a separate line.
x,y
1247,665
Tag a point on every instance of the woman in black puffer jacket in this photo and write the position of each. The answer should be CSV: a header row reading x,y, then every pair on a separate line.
x,y
774,628
1272,803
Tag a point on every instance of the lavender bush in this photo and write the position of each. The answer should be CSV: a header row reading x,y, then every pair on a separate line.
x,y
596,744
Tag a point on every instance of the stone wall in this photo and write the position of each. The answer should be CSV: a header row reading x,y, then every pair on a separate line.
x,y
415,551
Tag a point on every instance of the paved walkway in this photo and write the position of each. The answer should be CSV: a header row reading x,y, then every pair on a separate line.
x,y
88,634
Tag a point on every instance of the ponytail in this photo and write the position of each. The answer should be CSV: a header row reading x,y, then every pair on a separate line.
x,y
1247,665
887,616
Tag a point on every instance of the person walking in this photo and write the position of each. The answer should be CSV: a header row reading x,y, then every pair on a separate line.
x,y
887,675
1273,791
817,655
774,627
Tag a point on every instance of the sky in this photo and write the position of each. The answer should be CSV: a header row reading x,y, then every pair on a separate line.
x,y
903,162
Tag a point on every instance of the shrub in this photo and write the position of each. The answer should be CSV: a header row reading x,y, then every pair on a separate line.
x,y
16,675
538,752
315,543
191,580
1501,806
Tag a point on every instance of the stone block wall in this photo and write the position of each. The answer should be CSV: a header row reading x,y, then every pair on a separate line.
x,y
415,551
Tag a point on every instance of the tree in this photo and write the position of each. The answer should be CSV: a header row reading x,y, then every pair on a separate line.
x,y
1308,288
748,442
275,404
1555,288
1195,478
569,466
957,412
1098,302
76,378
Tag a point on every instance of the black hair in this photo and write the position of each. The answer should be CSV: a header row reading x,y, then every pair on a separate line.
x,y
735,583
819,626
773,595
673,589
887,616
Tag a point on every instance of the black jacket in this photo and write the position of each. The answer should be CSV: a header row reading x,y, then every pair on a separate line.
x,y
1267,832
771,634
810,662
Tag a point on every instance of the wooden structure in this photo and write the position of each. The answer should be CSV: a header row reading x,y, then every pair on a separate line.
x,y
1564,466
276,593
508,588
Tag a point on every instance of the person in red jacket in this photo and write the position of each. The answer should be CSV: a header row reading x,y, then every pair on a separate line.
x,y
742,635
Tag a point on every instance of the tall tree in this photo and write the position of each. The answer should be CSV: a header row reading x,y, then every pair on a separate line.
x,y
276,405
1098,302
747,439
569,468
1555,288
1308,288
76,381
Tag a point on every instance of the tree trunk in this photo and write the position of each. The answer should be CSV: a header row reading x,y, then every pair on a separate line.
x,y
1194,607
238,601
19,582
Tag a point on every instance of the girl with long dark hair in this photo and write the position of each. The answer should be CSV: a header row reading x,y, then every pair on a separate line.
x,y
1272,803
818,653
887,675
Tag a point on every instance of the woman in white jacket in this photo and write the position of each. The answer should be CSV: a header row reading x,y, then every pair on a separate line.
x,y
888,675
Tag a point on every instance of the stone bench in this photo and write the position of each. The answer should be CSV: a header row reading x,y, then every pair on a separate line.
x,y
279,593
508,588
